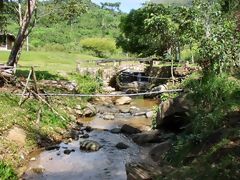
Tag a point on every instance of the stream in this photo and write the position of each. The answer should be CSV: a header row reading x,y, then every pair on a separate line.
x,y
107,163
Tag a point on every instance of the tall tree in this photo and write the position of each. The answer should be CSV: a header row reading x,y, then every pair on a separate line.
x,y
24,30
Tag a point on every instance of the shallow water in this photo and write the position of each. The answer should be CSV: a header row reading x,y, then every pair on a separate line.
x,y
107,163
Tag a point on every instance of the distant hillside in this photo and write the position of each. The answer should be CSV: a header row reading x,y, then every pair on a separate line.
x,y
177,2
52,31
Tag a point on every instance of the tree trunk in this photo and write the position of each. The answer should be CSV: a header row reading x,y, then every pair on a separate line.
x,y
22,34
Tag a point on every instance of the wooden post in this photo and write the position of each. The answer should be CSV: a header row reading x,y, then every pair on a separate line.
x,y
25,88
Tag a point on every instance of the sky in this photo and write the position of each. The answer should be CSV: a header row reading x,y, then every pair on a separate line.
x,y
126,5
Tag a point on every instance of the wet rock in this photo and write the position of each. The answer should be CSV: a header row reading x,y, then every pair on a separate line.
x,y
123,100
85,136
53,147
88,128
68,151
74,134
121,146
159,150
147,137
17,135
149,114
129,129
108,117
137,171
38,170
115,130
90,145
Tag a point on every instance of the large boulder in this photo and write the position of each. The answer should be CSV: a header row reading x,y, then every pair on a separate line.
x,y
147,137
173,111
123,100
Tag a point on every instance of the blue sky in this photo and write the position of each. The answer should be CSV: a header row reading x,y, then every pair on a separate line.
x,y
126,5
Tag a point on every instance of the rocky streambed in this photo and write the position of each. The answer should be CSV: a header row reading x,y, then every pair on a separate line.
x,y
110,145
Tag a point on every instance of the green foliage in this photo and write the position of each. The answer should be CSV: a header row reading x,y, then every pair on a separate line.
x,y
220,46
101,47
87,84
6,172
154,118
214,97
156,28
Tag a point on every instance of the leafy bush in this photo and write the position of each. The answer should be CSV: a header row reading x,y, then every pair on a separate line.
x,y
6,172
214,96
87,84
101,47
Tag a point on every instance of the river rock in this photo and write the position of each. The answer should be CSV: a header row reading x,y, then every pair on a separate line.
x,y
78,107
88,128
90,145
147,137
121,146
74,134
123,100
124,109
68,151
53,147
85,136
149,114
133,110
108,89
127,129
108,117
159,150
115,130
90,110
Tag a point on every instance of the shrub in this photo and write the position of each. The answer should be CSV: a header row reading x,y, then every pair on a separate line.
x,y
101,47
87,84
214,96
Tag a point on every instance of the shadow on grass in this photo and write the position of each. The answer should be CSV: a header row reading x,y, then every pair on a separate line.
x,y
41,75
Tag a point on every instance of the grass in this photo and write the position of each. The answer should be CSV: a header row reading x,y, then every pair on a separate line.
x,y
6,172
53,62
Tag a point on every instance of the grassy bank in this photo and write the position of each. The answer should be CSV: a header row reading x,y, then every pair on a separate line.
x,y
49,61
